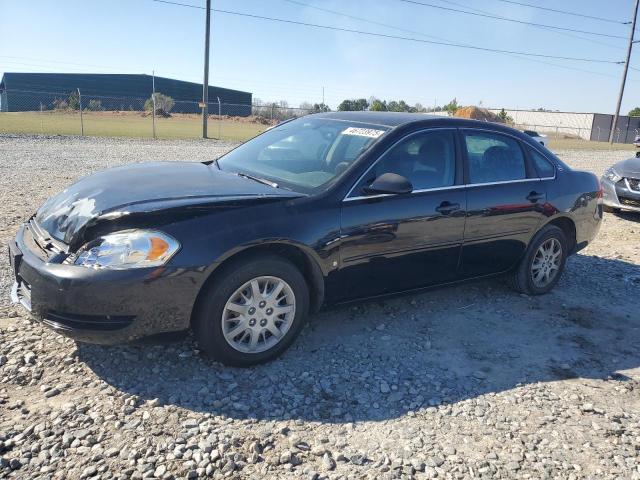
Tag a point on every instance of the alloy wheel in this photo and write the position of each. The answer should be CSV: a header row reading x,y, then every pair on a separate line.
x,y
259,314
546,263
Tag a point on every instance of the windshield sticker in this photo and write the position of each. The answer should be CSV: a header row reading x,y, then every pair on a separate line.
x,y
363,132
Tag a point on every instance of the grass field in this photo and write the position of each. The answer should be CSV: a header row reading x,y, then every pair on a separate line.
x,y
136,124
579,144
126,124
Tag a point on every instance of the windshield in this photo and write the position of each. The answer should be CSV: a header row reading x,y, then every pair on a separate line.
x,y
304,154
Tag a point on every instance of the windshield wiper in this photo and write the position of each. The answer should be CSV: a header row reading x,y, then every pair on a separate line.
x,y
258,179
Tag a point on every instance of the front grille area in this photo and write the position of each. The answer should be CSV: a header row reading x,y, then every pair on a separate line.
x,y
39,242
631,202
67,321
30,242
634,184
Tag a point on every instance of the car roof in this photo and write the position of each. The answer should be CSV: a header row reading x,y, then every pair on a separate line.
x,y
385,119
397,119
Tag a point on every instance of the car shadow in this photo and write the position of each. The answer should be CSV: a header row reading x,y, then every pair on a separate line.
x,y
381,359
629,216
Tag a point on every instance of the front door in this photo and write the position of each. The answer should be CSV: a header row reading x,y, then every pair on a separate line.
x,y
393,243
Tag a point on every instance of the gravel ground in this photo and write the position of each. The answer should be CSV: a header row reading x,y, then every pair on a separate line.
x,y
471,381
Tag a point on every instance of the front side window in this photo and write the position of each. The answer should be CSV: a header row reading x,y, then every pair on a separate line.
x,y
304,154
494,158
427,159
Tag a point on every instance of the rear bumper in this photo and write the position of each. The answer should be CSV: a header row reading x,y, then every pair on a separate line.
x,y
619,195
101,306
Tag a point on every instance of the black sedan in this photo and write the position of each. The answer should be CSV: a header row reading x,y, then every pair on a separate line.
x,y
323,209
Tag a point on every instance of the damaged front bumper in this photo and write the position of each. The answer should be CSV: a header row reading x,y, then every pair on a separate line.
x,y
99,305
620,195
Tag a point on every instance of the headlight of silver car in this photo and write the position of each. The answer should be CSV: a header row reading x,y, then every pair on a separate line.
x,y
127,249
611,174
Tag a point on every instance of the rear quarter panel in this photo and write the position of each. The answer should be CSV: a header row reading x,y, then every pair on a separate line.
x,y
576,195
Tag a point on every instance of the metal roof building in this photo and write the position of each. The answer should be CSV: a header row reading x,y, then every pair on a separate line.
x,y
21,92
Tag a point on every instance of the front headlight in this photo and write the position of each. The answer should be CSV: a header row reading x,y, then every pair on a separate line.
x,y
127,249
611,174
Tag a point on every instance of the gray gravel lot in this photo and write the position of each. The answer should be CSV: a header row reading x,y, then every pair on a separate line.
x,y
472,381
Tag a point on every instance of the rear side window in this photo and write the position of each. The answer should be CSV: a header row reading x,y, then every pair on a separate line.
x,y
543,166
494,158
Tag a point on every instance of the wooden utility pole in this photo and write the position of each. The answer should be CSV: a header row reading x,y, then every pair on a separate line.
x,y
626,70
205,83
153,101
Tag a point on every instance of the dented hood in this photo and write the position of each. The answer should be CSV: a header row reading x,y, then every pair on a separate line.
x,y
144,187
628,168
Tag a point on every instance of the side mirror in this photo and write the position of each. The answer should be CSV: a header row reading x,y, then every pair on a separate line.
x,y
389,183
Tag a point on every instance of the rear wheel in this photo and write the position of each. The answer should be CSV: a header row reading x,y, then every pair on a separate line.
x,y
252,311
540,269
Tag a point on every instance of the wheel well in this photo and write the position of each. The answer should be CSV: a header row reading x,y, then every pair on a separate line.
x,y
307,266
569,229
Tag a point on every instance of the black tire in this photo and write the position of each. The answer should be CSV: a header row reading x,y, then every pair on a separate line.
x,y
521,279
207,321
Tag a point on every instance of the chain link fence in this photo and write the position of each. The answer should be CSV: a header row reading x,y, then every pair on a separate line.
x,y
75,113
158,116
596,133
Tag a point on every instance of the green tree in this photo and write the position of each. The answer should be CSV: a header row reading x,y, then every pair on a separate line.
x,y
635,112
164,104
353,105
451,107
346,106
73,101
393,106
321,107
378,105
503,117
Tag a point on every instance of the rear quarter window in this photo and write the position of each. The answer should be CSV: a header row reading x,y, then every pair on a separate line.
x,y
543,167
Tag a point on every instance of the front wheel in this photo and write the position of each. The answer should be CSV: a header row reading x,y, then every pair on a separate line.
x,y
252,311
540,269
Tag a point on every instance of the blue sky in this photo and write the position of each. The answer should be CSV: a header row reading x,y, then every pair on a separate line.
x,y
289,62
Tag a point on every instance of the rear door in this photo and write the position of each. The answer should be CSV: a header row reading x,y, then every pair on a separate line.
x,y
505,202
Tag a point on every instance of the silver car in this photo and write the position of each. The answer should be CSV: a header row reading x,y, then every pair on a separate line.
x,y
621,185
541,139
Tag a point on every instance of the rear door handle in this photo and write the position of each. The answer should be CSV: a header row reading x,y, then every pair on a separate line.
x,y
534,197
446,208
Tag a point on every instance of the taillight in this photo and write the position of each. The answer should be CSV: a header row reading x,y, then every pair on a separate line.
x,y
599,196
600,190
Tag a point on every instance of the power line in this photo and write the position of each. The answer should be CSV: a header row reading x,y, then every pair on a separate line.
x,y
366,20
354,17
564,12
513,20
396,37
552,30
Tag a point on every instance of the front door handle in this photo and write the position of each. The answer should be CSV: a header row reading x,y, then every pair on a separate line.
x,y
447,208
534,197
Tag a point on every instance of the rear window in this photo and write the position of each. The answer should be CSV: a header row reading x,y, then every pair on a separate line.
x,y
494,158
